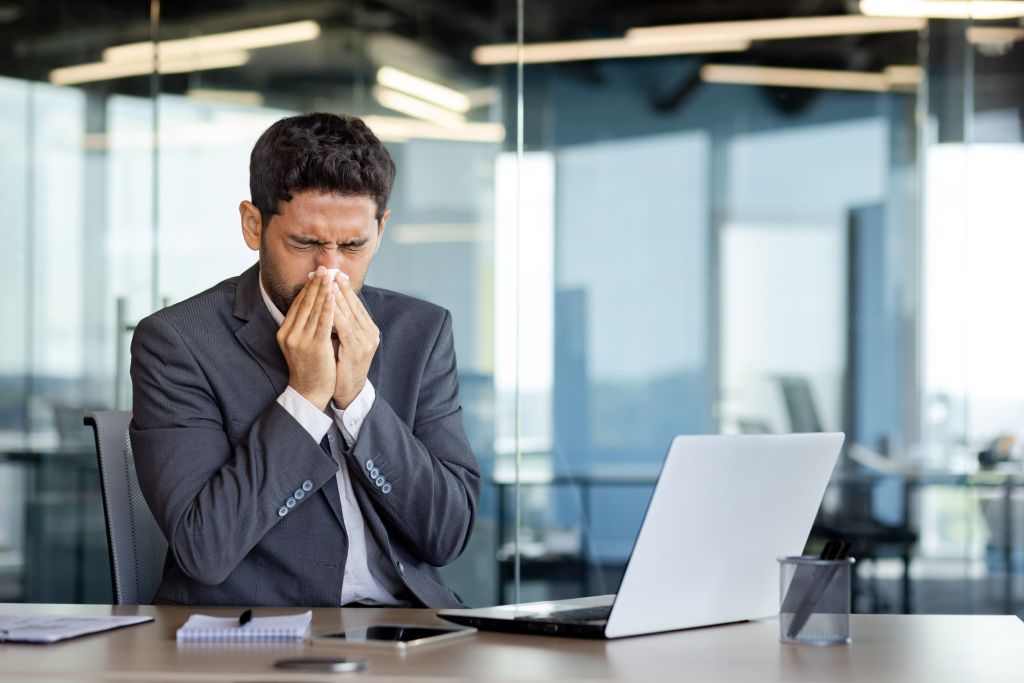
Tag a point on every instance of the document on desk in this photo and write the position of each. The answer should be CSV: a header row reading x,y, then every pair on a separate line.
x,y
51,628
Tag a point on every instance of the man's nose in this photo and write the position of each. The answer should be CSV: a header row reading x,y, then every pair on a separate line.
x,y
329,260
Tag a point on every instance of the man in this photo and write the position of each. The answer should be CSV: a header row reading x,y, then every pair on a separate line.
x,y
296,434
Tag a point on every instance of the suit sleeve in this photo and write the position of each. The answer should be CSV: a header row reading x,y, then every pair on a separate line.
x,y
424,480
213,501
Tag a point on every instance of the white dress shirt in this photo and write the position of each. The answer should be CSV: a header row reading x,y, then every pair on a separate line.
x,y
359,583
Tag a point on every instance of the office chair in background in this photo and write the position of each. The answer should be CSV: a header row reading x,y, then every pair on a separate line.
x,y
855,521
137,545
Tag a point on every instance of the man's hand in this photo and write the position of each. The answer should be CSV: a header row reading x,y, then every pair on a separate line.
x,y
358,338
305,340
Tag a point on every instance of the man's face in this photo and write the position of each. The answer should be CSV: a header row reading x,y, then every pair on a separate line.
x,y
313,229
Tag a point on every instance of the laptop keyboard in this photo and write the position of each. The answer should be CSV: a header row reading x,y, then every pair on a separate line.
x,y
581,614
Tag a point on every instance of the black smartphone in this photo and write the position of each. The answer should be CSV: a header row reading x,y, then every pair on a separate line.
x,y
331,664
400,636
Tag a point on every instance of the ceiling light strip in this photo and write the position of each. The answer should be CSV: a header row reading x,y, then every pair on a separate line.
x,y
608,48
105,71
406,104
399,129
776,29
432,92
994,35
864,81
944,9
246,39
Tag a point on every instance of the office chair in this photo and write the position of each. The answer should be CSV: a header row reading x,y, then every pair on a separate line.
x,y
136,544
855,520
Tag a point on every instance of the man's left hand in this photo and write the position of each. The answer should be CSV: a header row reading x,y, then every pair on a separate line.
x,y
358,338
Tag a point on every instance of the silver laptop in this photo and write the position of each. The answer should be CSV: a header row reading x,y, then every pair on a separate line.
x,y
723,510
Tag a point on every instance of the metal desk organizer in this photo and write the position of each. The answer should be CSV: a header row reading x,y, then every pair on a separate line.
x,y
815,600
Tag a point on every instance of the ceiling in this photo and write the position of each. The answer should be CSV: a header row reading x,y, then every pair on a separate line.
x,y
434,35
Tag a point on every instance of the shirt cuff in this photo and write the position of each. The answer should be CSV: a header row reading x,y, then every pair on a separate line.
x,y
311,418
350,420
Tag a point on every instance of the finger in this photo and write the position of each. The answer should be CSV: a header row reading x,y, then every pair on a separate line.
x,y
325,321
359,317
323,288
293,312
308,305
344,322
348,342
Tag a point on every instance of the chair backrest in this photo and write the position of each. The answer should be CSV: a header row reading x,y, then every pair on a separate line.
x,y
137,546
800,405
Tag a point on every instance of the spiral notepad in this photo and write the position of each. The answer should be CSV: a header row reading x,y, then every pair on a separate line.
x,y
204,629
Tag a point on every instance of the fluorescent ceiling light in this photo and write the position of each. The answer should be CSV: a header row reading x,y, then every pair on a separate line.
x,y
104,71
994,35
608,48
399,129
796,78
214,51
241,98
775,29
904,76
432,92
248,39
944,9
412,106
703,38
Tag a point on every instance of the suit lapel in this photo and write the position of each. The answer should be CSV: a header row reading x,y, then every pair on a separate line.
x,y
373,375
258,334
258,337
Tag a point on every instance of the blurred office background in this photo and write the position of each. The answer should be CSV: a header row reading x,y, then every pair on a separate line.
x,y
645,222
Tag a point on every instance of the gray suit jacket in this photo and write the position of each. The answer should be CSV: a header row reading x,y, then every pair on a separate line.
x,y
218,457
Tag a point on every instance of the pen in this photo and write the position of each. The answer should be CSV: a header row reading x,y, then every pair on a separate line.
x,y
820,578
245,618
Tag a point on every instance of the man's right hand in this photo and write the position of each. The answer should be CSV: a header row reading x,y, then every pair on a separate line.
x,y
305,340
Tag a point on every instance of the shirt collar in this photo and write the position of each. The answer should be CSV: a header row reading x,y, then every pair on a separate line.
x,y
274,312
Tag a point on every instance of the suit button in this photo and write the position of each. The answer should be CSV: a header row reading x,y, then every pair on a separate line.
x,y
369,465
386,488
282,511
307,486
290,503
374,473
330,438
379,482
299,494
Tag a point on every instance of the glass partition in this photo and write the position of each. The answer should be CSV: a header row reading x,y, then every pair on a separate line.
x,y
800,221
645,222
125,175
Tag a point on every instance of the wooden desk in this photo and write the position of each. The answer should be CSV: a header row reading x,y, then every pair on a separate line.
x,y
896,648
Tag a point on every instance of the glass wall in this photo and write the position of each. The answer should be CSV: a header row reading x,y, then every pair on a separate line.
x,y
784,231
124,178
645,222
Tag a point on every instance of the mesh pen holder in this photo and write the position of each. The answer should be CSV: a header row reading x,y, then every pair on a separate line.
x,y
814,600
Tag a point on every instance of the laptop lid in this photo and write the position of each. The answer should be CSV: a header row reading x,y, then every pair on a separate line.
x,y
723,510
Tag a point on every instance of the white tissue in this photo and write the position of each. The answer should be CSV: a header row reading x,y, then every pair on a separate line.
x,y
330,272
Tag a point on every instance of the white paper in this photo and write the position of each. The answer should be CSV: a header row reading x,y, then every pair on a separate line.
x,y
203,628
49,628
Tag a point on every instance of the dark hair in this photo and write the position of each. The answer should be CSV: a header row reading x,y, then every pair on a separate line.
x,y
319,151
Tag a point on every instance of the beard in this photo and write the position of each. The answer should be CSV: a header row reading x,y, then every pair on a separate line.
x,y
278,289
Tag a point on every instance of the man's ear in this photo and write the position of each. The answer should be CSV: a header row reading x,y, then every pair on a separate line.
x,y
381,224
252,224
